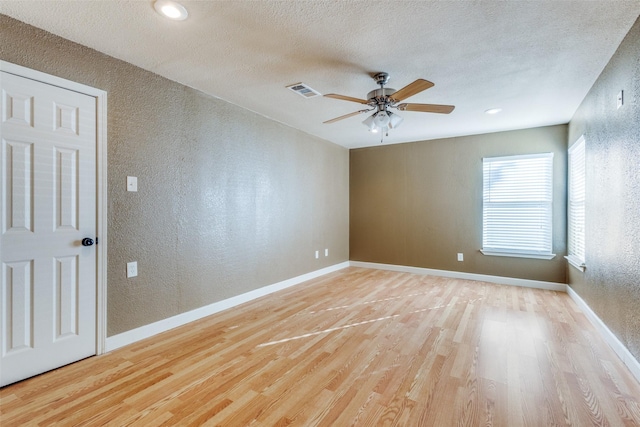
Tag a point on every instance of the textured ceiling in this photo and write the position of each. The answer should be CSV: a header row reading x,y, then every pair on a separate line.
x,y
534,59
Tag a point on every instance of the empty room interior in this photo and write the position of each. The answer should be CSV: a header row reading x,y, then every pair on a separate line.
x,y
405,213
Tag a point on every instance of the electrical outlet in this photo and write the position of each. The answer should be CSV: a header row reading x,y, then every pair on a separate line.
x,y
326,252
132,269
317,254
460,257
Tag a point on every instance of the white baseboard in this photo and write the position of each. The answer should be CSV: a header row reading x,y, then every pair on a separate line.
x,y
613,341
552,286
134,335
623,353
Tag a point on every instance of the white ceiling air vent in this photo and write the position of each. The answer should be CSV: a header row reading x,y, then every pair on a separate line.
x,y
303,90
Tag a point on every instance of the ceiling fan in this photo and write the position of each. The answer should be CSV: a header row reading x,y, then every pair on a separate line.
x,y
381,100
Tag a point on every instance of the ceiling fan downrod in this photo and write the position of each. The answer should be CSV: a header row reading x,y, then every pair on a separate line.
x,y
381,78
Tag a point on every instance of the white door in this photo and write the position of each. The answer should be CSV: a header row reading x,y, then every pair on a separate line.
x,y
48,190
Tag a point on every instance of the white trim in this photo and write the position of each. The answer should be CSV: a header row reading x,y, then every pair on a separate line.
x,y
526,283
39,76
134,335
574,261
101,183
102,201
616,345
517,254
130,337
623,353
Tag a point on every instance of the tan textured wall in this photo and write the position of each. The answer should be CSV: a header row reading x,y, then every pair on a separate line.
x,y
419,204
228,201
611,283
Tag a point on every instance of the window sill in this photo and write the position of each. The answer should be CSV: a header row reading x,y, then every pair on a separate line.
x,y
576,263
517,254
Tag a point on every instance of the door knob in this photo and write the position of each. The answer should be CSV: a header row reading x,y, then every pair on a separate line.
x,y
87,242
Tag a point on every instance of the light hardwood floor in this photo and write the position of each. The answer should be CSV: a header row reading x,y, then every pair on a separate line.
x,y
356,347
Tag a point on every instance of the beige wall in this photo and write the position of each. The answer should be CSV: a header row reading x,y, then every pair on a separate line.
x,y
419,204
228,201
611,283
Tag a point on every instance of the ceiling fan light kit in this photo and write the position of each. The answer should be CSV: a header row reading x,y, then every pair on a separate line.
x,y
381,100
382,121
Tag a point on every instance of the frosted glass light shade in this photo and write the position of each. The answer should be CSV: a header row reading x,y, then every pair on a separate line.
x,y
381,119
394,120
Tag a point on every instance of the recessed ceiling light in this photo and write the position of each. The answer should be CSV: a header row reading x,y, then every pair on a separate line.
x,y
171,10
493,110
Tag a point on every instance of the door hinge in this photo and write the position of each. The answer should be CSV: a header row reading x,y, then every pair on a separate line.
x,y
96,240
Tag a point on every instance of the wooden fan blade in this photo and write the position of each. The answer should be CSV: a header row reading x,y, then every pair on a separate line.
x,y
427,108
355,113
411,89
347,98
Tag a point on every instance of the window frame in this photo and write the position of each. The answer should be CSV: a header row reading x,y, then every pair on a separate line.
x,y
576,203
527,205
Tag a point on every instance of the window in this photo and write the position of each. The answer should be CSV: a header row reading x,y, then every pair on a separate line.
x,y
517,206
576,204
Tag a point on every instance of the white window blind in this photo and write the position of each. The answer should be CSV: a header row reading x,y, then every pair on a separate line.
x,y
517,206
576,204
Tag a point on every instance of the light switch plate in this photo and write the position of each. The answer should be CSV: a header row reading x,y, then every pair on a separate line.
x,y
132,269
132,183
620,99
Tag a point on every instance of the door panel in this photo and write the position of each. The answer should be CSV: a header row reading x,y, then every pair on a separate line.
x,y
66,187
17,108
18,166
48,185
66,284
17,290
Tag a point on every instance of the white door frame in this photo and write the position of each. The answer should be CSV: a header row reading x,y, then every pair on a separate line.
x,y
101,184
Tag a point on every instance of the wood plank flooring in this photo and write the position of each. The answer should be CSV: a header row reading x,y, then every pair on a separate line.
x,y
357,347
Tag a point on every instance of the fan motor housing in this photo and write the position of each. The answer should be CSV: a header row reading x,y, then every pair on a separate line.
x,y
376,94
